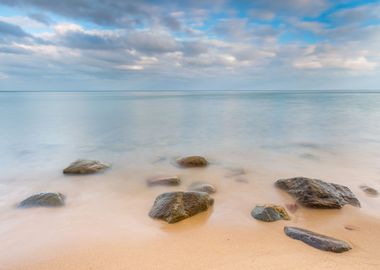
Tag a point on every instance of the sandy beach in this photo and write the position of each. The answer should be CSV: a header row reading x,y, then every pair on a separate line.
x,y
105,222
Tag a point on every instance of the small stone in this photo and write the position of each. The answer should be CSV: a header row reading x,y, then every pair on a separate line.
x,y
316,240
352,228
235,172
192,161
45,199
173,207
164,181
242,180
202,187
269,213
317,193
83,166
292,207
369,190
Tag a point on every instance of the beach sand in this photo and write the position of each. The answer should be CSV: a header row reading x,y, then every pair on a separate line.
x,y
105,222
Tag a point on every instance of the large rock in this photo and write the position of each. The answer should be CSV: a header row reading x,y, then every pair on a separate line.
x,y
164,181
317,193
316,240
202,187
176,206
46,199
269,212
192,161
83,166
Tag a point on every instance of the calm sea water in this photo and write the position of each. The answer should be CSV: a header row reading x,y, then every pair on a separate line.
x,y
41,128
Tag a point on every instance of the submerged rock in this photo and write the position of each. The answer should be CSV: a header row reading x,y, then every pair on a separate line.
x,y
369,190
316,240
164,181
83,166
202,187
292,207
235,172
46,199
317,193
269,212
192,161
176,206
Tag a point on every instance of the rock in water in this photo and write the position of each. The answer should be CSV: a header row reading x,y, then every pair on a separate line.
x,y
192,161
46,199
369,190
317,193
202,187
316,240
83,166
269,212
176,206
164,181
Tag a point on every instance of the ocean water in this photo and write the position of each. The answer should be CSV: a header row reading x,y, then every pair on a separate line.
x,y
330,135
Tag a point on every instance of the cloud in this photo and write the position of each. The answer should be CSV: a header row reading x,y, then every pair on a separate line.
x,y
3,76
8,29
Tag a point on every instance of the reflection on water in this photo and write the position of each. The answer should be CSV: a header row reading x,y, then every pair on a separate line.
x,y
251,139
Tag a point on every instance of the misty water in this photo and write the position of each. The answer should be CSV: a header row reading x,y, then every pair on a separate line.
x,y
329,135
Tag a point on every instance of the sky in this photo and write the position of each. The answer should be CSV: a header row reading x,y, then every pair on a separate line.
x,y
84,45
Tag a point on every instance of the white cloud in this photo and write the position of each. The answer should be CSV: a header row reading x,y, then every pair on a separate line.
x,y
3,76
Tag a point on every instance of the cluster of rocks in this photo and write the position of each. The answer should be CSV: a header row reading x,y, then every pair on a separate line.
x,y
175,206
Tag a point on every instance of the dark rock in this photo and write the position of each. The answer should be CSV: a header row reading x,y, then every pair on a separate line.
x,y
192,161
317,193
316,240
46,199
83,166
269,212
369,190
176,206
202,187
164,181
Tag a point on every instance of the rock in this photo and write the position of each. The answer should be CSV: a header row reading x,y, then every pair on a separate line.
x,y
369,190
317,193
46,199
242,180
235,172
269,212
352,228
316,240
192,161
164,181
292,207
202,187
83,166
176,206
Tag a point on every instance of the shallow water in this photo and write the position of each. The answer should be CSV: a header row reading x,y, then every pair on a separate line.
x,y
270,135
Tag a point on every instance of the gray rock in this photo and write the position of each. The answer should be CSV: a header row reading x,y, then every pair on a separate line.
x,y
164,181
202,187
269,213
316,240
83,166
317,193
192,161
176,206
46,199
369,190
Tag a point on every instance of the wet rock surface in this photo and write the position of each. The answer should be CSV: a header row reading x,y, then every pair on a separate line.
x,y
84,166
317,193
269,213
45,199
164,181
202,187
317,240
173,207
192,161
368,190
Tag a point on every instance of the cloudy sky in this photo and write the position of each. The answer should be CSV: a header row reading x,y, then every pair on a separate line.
x,y
200,44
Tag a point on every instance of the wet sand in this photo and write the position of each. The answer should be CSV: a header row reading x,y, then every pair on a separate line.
x,y
105,223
